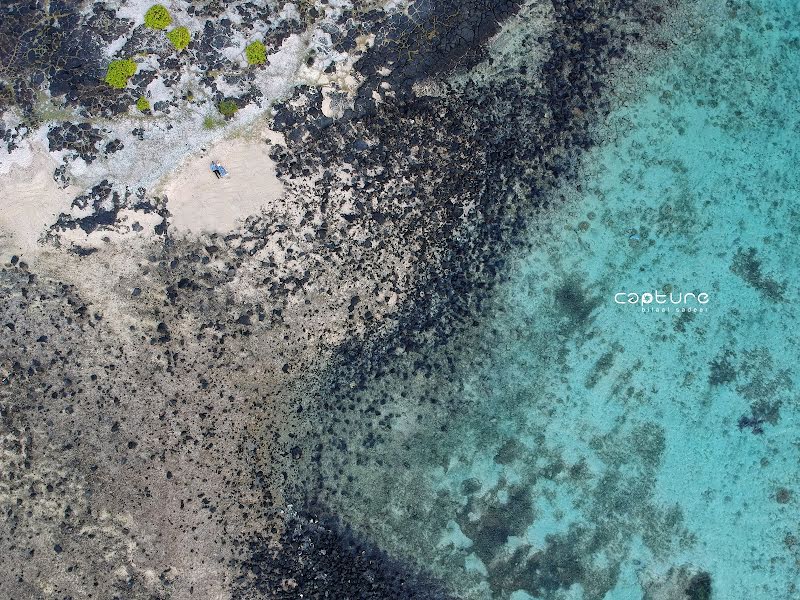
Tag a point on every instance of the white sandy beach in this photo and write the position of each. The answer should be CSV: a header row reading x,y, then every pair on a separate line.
x,y
30,201
199,202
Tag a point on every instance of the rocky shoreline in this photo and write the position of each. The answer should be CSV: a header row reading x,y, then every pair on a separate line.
x,y
176,409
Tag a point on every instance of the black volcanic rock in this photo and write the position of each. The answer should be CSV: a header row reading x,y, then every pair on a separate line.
x,y
323,558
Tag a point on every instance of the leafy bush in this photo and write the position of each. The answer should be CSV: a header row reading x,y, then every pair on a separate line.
x,y
179,37
119,71
228,108
157,17
143,104
256,53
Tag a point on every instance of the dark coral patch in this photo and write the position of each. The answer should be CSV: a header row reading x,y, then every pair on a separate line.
x,y
699,587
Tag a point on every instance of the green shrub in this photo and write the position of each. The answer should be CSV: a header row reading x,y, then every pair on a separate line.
x,y
210,122
119,71
179,37
228,108
256,53
143,104
157,17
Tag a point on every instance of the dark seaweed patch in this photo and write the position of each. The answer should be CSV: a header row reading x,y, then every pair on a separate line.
x,y
573,301
601,367
699,587
722,369
747,265
498,521
508,452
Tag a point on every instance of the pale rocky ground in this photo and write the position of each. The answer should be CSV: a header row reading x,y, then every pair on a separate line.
x,y
141,422
151,365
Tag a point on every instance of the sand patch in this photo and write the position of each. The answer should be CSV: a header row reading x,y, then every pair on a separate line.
x,y
30,201
200,203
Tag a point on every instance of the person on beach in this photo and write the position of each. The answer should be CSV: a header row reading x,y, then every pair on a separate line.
x,y
218,169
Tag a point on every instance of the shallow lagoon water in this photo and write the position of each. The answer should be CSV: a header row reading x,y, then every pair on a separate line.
x,y
608,452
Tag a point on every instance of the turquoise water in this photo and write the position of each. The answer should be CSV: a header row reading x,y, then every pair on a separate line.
x,y
613,453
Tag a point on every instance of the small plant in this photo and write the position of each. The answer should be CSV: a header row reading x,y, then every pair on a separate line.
x,y
119,71
143,104
256,53
210,123
228,108
180,38
157,17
